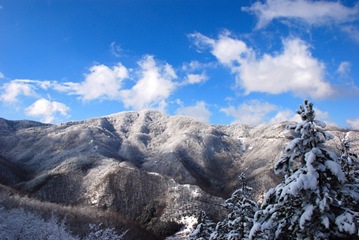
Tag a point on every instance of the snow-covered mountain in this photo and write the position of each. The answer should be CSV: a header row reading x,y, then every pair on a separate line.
x,y
147,166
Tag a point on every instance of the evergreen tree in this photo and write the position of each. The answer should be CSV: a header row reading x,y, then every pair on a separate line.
x,y
349,162
204,228
307,204
348,159
240,219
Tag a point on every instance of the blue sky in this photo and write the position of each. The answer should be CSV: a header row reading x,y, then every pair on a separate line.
x,y
219,61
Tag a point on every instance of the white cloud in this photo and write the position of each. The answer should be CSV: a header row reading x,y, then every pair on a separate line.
x,y
353,123
293,70
195,72
153,85
352,31
320,115
195,78
43,84
199,112
115,49
46,110
310,12
102,82
195,66
345,78
344,68
2,75
231,51
285,115
13,89
253,112
192,66
179,102
201,41
153,88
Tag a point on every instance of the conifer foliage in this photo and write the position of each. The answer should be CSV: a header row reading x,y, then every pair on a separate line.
x,y
240,218
204,228
237,224
348,160
350,166
308,204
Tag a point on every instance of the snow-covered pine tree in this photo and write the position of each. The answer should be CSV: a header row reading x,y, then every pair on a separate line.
x,y
306,204
204,228
240,219
348,159
349,162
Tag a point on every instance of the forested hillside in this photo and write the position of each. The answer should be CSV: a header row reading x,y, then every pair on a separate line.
x,y
150,171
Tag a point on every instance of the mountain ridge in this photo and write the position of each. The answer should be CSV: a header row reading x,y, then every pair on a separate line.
x,y
138,162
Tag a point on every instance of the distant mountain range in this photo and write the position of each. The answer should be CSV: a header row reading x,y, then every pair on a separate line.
x,y
146,166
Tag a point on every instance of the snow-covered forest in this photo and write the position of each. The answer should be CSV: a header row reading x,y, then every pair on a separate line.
x,y
20,224
317,199
145,175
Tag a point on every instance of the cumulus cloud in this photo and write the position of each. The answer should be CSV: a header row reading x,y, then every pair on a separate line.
x,y
153,82
231,51
310,12
12,90
47,110
102,82
289,115
153,88
285,115
2,75
195,72
253,112
353,123
199,111
292,70
195,78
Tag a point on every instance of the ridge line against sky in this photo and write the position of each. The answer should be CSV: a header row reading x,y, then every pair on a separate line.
x,y
219,62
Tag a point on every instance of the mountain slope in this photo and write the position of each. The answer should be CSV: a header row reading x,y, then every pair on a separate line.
x,y
145,165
